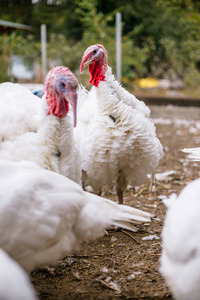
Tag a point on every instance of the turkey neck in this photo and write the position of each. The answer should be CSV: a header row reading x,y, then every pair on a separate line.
x,y
68,153
60,132
65,145
61,147
108,99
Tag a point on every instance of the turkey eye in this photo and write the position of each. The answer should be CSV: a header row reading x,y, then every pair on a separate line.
x,y
62,84
95,51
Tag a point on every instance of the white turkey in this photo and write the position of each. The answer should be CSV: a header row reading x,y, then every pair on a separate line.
x,y
41,130
14,282
44,215
115,135
180,260
193,153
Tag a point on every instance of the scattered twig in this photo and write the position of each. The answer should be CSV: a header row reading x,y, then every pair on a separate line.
x,y
156,254
90,255
126,257
159,243
131,236
111,260
141,190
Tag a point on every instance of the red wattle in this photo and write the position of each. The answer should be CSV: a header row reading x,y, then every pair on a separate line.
x,y
57,106
97,73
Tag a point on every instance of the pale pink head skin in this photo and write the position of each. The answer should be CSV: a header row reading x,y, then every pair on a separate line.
x,y
61,86
96,57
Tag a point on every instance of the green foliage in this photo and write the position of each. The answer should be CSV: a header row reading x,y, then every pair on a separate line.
x,y
63,51
98,28
15,44
19,11
160,37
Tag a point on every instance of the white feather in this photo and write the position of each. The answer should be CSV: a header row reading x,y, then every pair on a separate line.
x,y
193,153
14,282
27,132
180,260
116,137
44,215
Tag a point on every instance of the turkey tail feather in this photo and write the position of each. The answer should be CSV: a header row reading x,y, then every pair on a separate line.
x,y
119,215
193,153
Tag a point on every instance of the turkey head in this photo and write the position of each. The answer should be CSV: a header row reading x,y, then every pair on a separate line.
x,y
96,57
61,86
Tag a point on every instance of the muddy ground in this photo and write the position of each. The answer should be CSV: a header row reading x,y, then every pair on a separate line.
x,y
125,265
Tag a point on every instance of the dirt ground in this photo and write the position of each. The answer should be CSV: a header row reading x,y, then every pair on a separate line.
x,y
122,264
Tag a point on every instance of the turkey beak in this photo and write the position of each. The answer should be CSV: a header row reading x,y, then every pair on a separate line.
x,y
72,96
85,63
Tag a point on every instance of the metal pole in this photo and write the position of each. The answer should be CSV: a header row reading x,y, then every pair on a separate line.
x,y
118,46
44,50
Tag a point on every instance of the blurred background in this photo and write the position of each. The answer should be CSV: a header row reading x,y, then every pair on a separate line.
x,y
160,40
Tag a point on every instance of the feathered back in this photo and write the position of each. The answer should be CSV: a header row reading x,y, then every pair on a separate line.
x,y
44,215
20,110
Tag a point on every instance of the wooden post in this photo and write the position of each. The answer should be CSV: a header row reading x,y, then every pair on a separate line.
x,y
118,46
44,51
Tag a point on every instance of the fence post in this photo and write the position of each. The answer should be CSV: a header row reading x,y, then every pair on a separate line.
x,y
44,51
118,46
